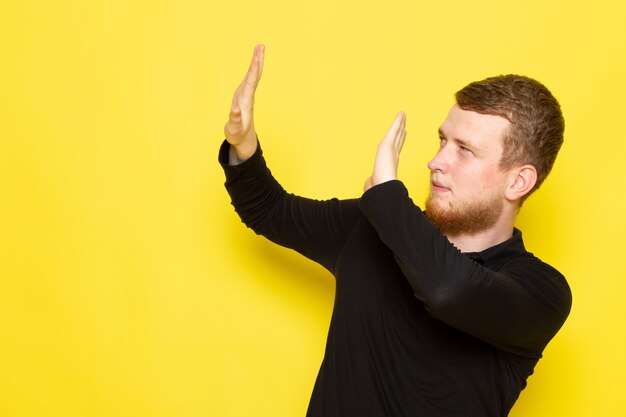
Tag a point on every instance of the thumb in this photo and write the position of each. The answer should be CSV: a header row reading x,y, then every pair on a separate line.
x,y
368,184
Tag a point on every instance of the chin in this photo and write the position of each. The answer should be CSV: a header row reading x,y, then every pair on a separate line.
x,y
469,218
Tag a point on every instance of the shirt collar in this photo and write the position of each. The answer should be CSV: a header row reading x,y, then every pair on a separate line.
x,y
509,248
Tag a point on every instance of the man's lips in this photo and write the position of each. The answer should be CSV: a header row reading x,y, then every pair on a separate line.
x,y
438,187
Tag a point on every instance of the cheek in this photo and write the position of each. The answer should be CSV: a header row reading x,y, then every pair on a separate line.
x,y
479,179
494,182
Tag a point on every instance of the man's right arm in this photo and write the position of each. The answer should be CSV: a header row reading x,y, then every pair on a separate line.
x,y
317,229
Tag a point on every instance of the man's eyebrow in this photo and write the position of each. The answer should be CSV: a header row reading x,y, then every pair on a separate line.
x,y
462,142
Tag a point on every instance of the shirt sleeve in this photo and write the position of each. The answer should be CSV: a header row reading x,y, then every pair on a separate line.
x,y
518,308
314,228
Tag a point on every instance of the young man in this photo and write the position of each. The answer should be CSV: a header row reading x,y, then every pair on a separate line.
x,y
437,313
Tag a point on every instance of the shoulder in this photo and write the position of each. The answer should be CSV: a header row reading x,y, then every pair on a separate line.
x,y
543,281
533,269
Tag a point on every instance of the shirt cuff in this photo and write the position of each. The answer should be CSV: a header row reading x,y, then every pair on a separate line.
x,y
382,194
231,171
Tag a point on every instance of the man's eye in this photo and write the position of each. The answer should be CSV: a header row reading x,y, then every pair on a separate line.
x,y
442,141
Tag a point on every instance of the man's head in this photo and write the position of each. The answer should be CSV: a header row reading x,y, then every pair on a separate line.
x,y
536,131
498,144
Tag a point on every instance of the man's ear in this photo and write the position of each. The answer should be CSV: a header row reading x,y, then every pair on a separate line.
x,y
523,179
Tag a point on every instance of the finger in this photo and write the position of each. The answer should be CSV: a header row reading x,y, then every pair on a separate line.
x,y
394,130
401,140
368,184
402,116
261,49
235,115
398,122
253,76
232,129
235,102
401,133
256,65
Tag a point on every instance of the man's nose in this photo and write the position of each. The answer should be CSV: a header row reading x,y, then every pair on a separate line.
x,y
439,162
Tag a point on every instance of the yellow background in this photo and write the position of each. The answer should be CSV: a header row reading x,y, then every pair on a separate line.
x,y
128,287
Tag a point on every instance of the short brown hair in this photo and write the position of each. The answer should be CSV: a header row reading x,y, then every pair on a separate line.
x,y
537,125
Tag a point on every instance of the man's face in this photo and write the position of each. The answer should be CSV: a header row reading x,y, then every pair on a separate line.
x,y
467,186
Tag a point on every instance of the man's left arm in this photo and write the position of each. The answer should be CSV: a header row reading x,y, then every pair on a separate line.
x,y
518,308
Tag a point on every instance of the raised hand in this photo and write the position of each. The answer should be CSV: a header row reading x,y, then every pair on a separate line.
x,y
388,154
239,129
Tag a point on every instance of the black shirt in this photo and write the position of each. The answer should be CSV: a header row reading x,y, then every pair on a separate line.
x,y
418,328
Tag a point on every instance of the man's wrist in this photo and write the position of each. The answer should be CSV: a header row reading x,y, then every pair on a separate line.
x,y
241,153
